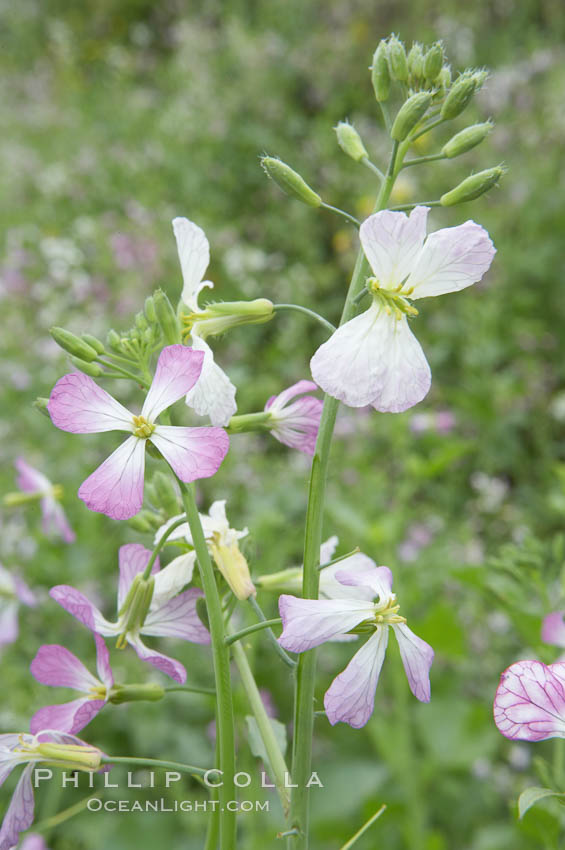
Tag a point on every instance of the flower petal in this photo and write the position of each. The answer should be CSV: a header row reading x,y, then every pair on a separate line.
x,y
178,618
79,606
451,259
77,404
277,402
132,558
170,666
310,622
529,704
192,452
56,666
361,571
553,629
103,663
194,255
30,480
19,815
296,425
116,487
327,549
417,657
54,520
392,242
67,716
178,369
171,579
333,586
214,394
351,696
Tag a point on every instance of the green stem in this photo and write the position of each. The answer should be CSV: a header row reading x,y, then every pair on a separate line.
x,y
372,167
256,627
190,690
339,558
405,207
125,372
350,218
353,840
249,422
271,635
418,160
328,325
306,668
426,129
160,543
220,652
166,765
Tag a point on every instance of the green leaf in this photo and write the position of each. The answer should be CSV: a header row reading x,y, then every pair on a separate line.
x,y
533,795
256,742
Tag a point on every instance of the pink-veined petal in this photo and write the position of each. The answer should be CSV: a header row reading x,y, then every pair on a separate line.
x,y
296,424
178,369
553,629
54,520
81,608
194,255
310,622
351,696
417,657
133,558
178,618
29,479
451,259
192,452
116,487
67,716
529,704
213,394
170,666
56,666
103,663
77,404
19,815
392,242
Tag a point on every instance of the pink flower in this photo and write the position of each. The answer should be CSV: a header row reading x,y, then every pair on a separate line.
x,y
553,629
309,622
374,358
13,593
296,424
33,841
56,666
529,704
54,521
167,614
77,404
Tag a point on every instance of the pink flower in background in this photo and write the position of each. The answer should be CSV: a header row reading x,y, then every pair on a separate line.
x,y
309,622
442,422
170,613
13,593
296,423
54,521
58,667
33,841
77,404
553,629
374,358
529,704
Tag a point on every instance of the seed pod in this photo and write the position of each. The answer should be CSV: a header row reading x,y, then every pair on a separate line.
x,y
466,139
94,342
409,114
92,369
458,97
290,181
416,63
380,74
149,309
397,60
166,317
73,344
350,141
473,186
433,61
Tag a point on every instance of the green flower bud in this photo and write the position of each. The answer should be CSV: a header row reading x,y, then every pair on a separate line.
x,y
409,114
290,181
473,186
94,342
458,97
166,317
95,370
223,315
40,404
73,344
433,61
202,611
165,494
480,77
466,139
444,77
113,340
416,63
145,521
350,141
397,60
149,309
380,74
151,691
141,321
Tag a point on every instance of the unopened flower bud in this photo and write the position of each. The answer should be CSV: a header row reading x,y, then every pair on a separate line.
x,y
473,186
165,493
145,522
150,691
233,566
458,97
166,317
290,181
149,309
466,139
409,114
141,321
40,404
350,141
219,317
95,370
93,341
433,61
113,340
73,344
397,60
285,581
416,63
380,73
444,78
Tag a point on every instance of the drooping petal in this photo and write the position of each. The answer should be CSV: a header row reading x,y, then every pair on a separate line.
x,y
192,452
79,606
214,394
310,622
361,571
529,704
172,578
67,716
417,657
392,242
29,479
553,629
54,520
170,666
56,666
116,487
178,618
296,425
132,558
77,404
194,255
451,259
277,402
19,815
103,663
178,369
351,696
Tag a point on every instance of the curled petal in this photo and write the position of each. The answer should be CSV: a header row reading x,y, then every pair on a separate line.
x,y
194,255
116,487
79,606
170,666
392,242
214,394
30,480
351,696
191,452
296,425
417,657
529,704
553,629
178,618
178,369
56,666
361,571
334,586
77,404
277,402
19,815
310,622
67,716
133,558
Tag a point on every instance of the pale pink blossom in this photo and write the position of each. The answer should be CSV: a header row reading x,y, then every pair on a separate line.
x,y
14,592
529,704
374,358
77,404
295,422
53,517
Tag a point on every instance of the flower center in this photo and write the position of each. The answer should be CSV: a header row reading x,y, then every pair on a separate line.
x,y
392,300
98,692
142,428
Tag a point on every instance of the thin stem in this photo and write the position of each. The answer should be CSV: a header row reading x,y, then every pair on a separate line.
x,y
220,652
328,325
160,543
256,627
371,165
271,635
340,558
418,160
358,298
49,823
166,765
125,372
350,218
386,115
190,690
426,129
353,840
404,207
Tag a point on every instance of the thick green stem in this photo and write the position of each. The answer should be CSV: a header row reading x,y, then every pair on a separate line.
x,y
166,765
220,652
248,630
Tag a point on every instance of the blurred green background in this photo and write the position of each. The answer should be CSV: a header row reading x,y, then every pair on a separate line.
x,y
116,116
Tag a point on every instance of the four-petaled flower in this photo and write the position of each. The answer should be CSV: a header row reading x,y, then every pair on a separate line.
x,y
214,394
53,517
56,666
529,704
154,608
77,404
13,593
310,622
296,423
374,358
